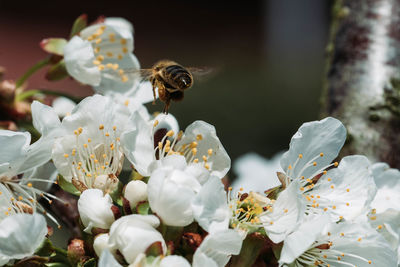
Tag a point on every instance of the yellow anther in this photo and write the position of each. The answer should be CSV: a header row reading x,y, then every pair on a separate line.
x,y
97,50
341,217
124,78
12,199
170,133
332,186
341,234
359,239
300,156
302,177
380,226
109,54
109,65
123,41
119,56
230,188
301,188
373,211
321,154
205,158
126,103
92,156
199,137
196,160
336,164
90,38
209,151
290,167
100,58
207,166
115,66
104,156
329,179
124,49
329,233
20,198
101,127
325,209
107,134
155,123
369,262
324,172
194,151
101,67
66,155
29,184
98,40
96,62
348,190
373,218
314,163
76,132
85,145
271,222
334,207
6,213
347,204
318,197
114,128
285,210
193,144
241,189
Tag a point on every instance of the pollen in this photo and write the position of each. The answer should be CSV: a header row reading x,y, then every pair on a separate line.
x,y
119,56
380,227
107,134
332,186
101,67
194,151
325,209
109,54
199,137
290,167
29,184
126,103
359,239
336,164
170,133
341,234
347,204
333,207
124,49
314,163
124,78
101,127
324,172
321,154
329,179
96,62
369,262
210,151
98,40
196,160
66,155
348,190
20,198
285,210
300,156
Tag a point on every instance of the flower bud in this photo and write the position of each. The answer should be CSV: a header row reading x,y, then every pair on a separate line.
x,y
135,192
76,250
95,209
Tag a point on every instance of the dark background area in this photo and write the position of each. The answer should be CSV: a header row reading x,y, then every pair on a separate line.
x,y
270,57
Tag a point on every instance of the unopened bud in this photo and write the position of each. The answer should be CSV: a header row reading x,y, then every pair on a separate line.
x,y
100,243
7,90
193,240
76,250
135,192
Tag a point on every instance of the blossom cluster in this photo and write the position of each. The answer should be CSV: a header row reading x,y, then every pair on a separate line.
x,y
151,194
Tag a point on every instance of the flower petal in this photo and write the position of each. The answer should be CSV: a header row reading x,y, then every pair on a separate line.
x,y
21,235
174,260
326,136
13,151
108,260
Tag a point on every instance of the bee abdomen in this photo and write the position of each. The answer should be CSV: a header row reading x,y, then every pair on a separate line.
x,y
179,75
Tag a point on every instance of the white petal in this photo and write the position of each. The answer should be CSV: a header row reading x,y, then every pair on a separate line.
x,y
255,173
287,213
79,56
21,235
210,206
13,151
387,224
219,160
139,145
388,182
95,209
326,136
63,106
350,188
133,234
44,118
174,260
119,23
100,244
108,260
300,240
135,192
218,248
170,195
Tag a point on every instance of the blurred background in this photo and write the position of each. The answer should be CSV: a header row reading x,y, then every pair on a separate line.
x,y
269,56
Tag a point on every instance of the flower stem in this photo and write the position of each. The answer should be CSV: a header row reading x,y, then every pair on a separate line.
x,y
42,63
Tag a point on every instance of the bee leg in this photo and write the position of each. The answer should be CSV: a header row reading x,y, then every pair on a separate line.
x,y
167,103
153,84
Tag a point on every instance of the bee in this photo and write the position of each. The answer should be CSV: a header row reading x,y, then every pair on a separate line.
x,y
170,79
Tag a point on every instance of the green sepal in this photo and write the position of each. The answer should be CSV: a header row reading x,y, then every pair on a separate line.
x,y
116,195
154,249
54,45
143,208
57,264
46,249
79,24
67,186
32,261
57,72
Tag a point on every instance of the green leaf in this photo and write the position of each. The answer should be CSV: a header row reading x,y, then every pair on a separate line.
x,y
67,186
79,24
142,208
89,263
57,72
57,264
54,45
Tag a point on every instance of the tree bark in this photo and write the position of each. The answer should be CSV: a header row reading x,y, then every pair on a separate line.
x,y
362,82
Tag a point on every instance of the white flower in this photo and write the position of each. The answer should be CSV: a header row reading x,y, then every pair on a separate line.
x,y
90,153
99,56
133,234
108,260
255,173
217,248
135,192
21,235
19,162
171,189
199,144
342,244
95,209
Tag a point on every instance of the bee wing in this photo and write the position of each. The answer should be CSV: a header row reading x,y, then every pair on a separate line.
x,y
143,73
202,73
